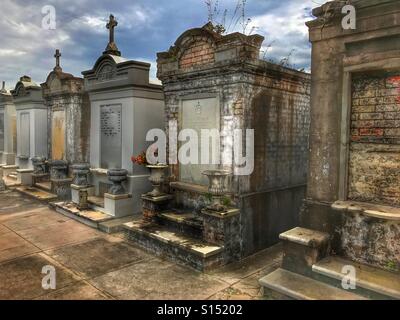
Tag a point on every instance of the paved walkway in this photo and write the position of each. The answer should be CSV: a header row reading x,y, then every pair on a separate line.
x,y
92,265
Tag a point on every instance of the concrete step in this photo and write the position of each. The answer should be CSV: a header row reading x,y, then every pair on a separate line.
x,y
370,281
303,248
10,167
187,223
91,218
44,185
96,201
298,287
177,247
37,193
13,176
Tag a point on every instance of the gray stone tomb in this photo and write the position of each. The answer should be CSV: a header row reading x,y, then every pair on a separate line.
x,y
124,106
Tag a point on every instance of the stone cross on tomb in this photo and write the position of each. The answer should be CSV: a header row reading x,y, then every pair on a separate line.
x,y
111,26
57,55
112,47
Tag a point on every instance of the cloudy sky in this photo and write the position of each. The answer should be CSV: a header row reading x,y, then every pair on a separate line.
x,y
145,28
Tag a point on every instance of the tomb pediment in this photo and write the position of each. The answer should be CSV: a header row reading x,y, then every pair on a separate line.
x,y
110,70
203,47
59,82
25,87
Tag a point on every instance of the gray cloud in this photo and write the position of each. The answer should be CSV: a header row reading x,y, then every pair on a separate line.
x,y
145,28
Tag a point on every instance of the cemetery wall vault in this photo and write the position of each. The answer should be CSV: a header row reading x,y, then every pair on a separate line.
x,y
353,181
225,75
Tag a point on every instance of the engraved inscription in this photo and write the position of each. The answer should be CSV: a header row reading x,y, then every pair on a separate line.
x,y
111,136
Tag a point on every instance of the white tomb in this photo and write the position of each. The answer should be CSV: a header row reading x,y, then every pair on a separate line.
x,y
31,123
124,107
8,134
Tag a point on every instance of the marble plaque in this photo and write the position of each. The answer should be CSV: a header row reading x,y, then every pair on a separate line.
x,y
1,131
197,115
58,135
111,136
24,137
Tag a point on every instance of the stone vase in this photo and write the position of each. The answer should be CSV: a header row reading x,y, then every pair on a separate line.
x,y
81,174
157,177
216,188
59,169
117,176
39,165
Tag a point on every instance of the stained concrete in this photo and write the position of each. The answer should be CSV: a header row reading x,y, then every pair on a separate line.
x,y
93,265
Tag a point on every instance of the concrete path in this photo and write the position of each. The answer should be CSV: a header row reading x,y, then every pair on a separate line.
x,y
93,265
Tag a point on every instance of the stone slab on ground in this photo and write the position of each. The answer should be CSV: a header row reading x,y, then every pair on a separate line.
x,y
37,193
367,277
13,246
22,278
58,235
99,256
158,279
76,291
299,287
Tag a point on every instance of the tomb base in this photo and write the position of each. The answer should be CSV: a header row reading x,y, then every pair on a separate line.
x,y
8,169
61,187
223,229
178,247
154,205
75,192
24,176
119,205
40,177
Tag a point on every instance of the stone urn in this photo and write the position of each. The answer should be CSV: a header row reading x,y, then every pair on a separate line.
x,y
157,177
216,188
81,174
39,165
59,169
117,176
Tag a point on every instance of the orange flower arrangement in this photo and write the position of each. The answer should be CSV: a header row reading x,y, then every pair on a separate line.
x,y
140,159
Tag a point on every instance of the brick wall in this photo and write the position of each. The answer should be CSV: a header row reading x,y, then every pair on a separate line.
x,y
374,167
200,52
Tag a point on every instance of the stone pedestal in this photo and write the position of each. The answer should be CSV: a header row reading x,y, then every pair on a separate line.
x,y
223,229
62,188
25,177
119,205
154,205
8,169
60,183
76,189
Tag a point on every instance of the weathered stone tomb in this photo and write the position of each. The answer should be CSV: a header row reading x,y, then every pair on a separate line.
x,y
351,215
218,82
